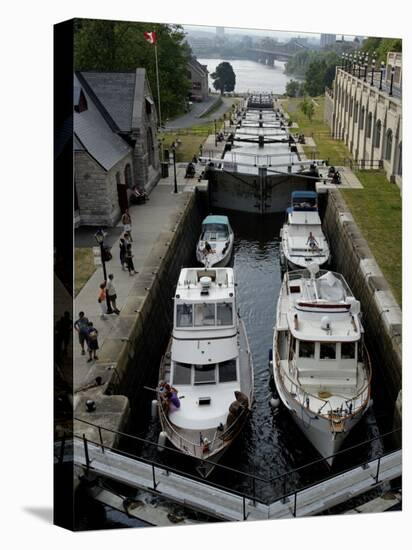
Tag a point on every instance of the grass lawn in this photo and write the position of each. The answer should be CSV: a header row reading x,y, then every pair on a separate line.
x,y
377,208
83,267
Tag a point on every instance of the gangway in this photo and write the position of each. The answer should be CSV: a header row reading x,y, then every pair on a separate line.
x,y
231,505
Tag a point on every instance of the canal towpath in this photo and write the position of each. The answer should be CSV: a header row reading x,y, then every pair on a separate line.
x,y
149,220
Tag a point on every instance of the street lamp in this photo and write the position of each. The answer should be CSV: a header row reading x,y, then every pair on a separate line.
x,y
382,69
392,73
215,134
366,68
174,168
99,236
359,65
373,70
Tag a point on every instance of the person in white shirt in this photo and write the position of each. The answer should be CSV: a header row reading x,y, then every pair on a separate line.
x,y
111,292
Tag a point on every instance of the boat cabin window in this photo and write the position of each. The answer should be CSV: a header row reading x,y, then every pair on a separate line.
x,y
327,350
305,203
227,371
181,373
184,315
225,313
213,231
204,315
205,374
348,350
307,349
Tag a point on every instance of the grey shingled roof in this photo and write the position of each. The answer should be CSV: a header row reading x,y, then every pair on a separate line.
x,y
93,133
115,91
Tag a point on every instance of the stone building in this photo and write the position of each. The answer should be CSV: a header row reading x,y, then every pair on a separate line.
x,y
115,146
365,110
198,76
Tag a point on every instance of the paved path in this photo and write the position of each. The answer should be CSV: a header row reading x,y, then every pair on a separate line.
x,y
148,221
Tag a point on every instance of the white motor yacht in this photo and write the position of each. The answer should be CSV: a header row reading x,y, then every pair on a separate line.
x,y
215,245
302,239
208,366
321,366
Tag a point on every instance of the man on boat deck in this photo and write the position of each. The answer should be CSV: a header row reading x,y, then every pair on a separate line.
x,y
312,242
207,249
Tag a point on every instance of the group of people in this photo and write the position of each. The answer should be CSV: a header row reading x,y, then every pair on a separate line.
x,y
88,334
107,297
168,396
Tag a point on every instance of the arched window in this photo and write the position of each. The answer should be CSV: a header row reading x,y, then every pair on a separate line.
x,y
355,116
150,146
128,175
378,130
369,126
362,118
388,148
400,160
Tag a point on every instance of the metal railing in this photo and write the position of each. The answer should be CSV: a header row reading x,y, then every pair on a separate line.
x,y
283,479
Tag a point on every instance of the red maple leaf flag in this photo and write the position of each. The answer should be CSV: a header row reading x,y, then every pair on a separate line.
x,y
150,37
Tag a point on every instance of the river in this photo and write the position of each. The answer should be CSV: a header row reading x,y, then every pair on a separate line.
x,y
251,75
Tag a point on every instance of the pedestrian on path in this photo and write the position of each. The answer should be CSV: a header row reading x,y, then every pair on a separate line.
x,y
127,240
127,223
129,260
111,292
82,327
122,247
92,343
102,300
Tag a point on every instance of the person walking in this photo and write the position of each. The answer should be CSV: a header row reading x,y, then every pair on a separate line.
x,y
92,343
129,260
127,223
102,300
82,326
122,247
111,292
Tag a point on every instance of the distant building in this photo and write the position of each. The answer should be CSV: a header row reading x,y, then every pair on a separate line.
x,y
220,32
367,118
198,76
327,39
115,146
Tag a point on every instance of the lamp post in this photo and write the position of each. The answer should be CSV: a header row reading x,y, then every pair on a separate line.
x,y
382,69
392,74
215,134
359,66
174,168
366,68
373,70
99,236
344,61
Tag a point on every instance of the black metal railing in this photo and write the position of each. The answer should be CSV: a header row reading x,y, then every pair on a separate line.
x,y
284,480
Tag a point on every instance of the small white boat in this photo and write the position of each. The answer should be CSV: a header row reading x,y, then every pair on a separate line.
x,y
302,240
321,367
207,367
215,245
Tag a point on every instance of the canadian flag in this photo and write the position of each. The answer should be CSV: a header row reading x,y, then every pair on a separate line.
x,y
150,37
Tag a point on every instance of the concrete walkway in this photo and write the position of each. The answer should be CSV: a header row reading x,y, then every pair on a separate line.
x,y
193,118
148,221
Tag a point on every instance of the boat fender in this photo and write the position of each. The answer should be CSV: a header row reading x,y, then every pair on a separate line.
x,y
274,402
154,408
161,442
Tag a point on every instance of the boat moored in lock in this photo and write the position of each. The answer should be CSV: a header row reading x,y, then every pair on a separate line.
x,y
215,245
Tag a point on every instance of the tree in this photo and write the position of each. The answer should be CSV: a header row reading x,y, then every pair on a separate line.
x,y
381,47
121,46
224,78
307,108
294,88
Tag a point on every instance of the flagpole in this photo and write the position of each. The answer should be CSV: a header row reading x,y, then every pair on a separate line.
x,y
158,87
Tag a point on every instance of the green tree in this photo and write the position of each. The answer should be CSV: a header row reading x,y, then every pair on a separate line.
x,y
294,88
224,77
307,108
121,46
381,47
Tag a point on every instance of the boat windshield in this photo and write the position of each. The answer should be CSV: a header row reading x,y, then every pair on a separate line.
x,y
226,371
207,314
214,231
304,203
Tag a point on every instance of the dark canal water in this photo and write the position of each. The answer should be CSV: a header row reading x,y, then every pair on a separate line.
x,y
270,445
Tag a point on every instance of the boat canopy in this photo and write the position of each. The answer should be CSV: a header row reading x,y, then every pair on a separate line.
x,y
216,219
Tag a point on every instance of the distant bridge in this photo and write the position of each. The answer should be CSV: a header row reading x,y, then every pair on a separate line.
x,y
283,53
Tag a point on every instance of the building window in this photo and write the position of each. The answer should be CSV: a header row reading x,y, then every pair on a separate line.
x,y
346,104
362,118
369,126
400,160
378,130
128,176
388,148
150,147
350,108
355,116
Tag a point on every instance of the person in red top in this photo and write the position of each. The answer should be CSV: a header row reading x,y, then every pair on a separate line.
x,y
102,300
